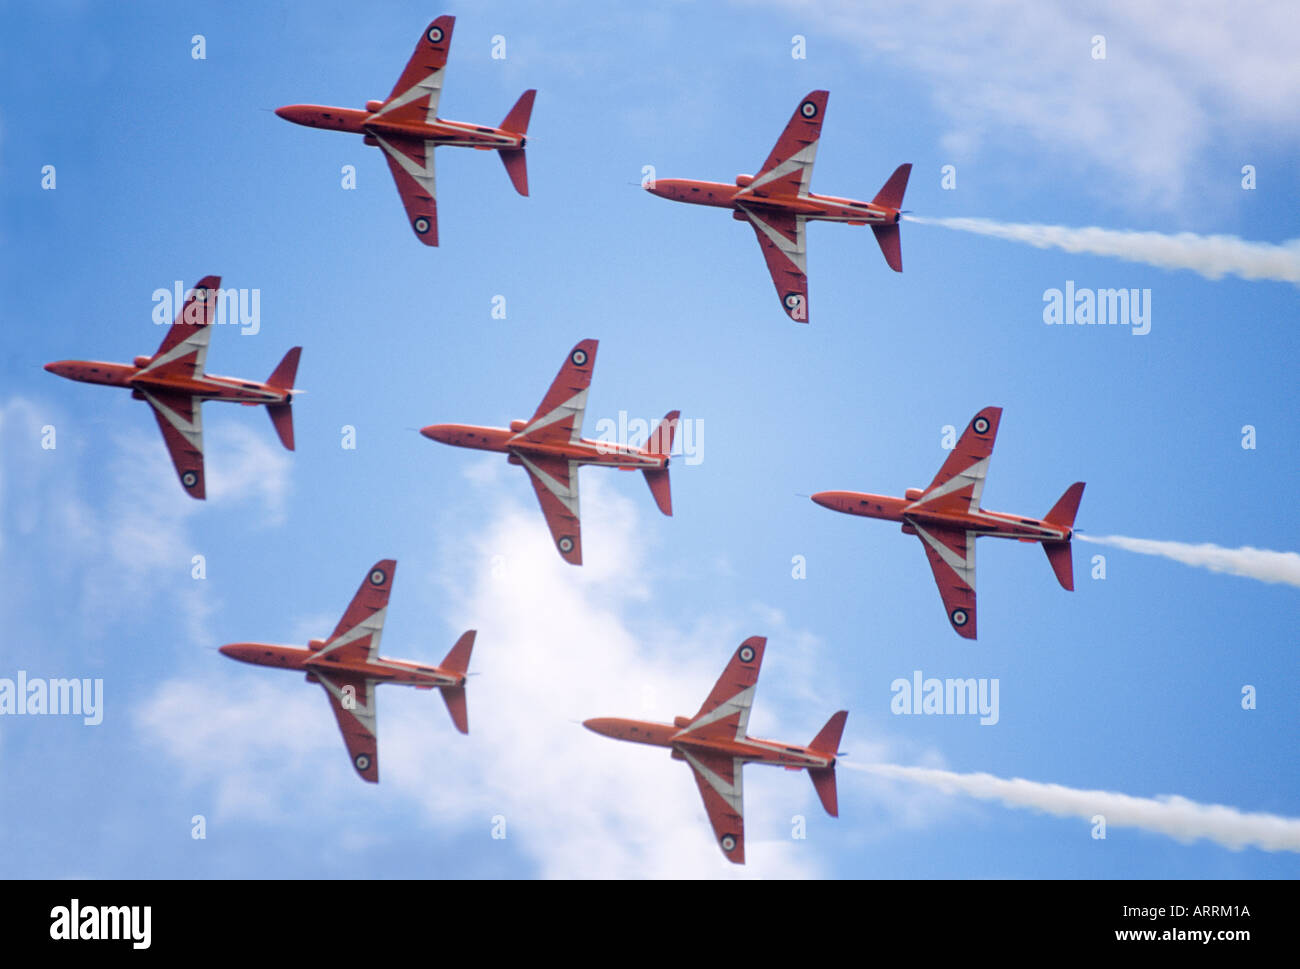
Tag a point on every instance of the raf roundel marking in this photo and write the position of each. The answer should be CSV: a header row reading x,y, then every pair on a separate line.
x,y
378,577
808,109
362,762
422,225
579,357
189,479
746,654
981,425
728,842
959,617
566,544
793,301
435,35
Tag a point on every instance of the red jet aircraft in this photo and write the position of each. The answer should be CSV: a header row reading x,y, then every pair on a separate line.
x,y
777,203
174,383
715,745
947,518
348,666
551,448
407,127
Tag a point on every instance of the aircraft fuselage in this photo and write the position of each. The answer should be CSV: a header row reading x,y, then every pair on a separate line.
x,y
138,378
752,750
907,511
824,208
309,661
373,125
509,441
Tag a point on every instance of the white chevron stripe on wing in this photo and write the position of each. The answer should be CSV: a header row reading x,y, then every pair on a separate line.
x,y
372,626
362,709
732,793
795,251
801,159
740,703
191,430
431,85
973,476
424,177
196,343
567,496
575,407
965,568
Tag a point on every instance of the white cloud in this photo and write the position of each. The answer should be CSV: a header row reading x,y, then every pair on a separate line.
x,y
1177,76
556,645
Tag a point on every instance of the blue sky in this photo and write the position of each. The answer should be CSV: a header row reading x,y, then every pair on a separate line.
x,y
170,168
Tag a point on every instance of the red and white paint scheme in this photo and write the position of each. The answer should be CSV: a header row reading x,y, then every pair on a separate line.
x,y
348,667
175,384
716,746
551,448
777,203
947,518
407,127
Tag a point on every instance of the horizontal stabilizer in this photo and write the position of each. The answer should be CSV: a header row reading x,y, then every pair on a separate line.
x,y
823,779
659,487
282,419
516,167
454,697
1058,553
890,244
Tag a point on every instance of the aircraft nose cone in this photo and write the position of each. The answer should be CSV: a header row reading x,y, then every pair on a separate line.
x,y
296,113
442,433
601,725
59,368
827,499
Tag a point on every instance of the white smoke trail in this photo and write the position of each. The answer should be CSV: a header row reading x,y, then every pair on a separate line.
x,y
1254,563
1170,815
1211,256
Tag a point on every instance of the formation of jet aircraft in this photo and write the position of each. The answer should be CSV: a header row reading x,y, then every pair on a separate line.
x,y
175,383
716,745
348,666
551,448
947,518
778,204
407,127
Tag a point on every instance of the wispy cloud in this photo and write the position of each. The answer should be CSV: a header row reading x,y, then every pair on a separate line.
x,y
1177,76
556,645
1170,815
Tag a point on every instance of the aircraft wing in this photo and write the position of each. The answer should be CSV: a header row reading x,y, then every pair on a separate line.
x,y
555,479
960,482
352,699
184,349
788,169
952,558
781,236
416,94
356,637
559,416
719,778
725,713
180,419
411,162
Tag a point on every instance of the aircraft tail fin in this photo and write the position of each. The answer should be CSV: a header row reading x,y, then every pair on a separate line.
x,y
823,779
660,443
516,122
827,742
1066,507
282,376
457,659
891,193
457,706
